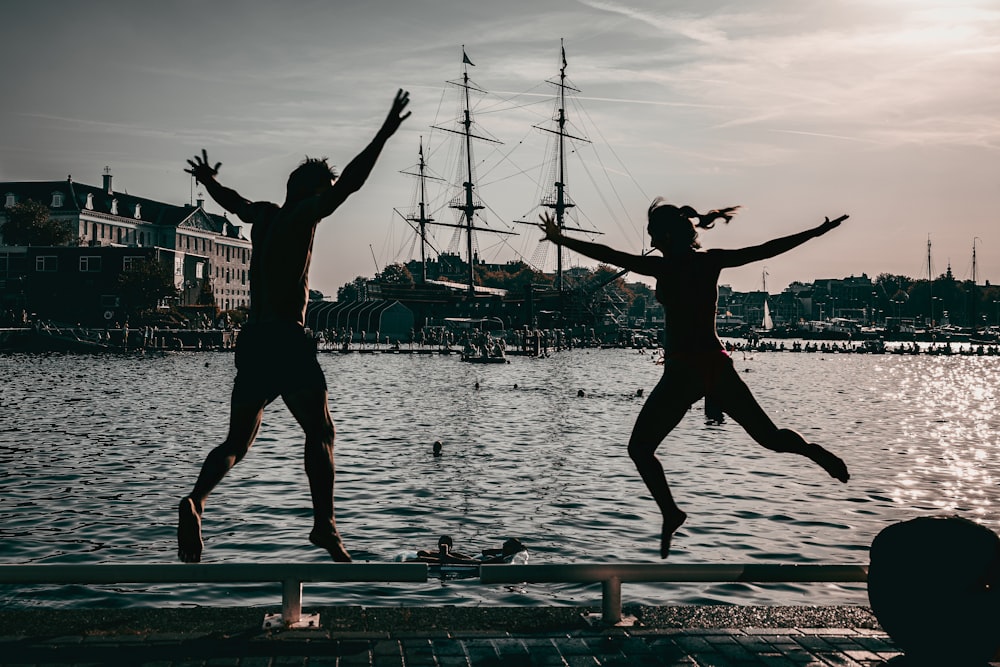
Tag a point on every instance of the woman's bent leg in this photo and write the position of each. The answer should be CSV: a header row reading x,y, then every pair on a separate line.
x,y
735,397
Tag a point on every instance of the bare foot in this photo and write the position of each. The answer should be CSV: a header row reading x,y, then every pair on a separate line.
x,y
189,544
670,526
332,543
830,462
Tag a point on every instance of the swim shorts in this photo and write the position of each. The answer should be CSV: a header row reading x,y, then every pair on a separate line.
x,y
708,368
273,359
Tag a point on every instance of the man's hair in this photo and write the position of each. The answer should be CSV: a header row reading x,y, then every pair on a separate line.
x,y
309,175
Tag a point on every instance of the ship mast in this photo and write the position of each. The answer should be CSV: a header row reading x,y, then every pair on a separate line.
x,y
560,201
467,203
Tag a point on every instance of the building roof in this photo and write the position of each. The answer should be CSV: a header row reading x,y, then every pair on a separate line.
x,y
75,197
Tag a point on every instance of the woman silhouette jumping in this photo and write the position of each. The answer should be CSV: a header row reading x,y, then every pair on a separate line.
x,y
696,363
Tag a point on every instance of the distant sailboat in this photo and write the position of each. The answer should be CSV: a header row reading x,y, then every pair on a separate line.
x,y
767,324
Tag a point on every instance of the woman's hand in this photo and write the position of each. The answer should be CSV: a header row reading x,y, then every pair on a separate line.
x,y
829,224
550,227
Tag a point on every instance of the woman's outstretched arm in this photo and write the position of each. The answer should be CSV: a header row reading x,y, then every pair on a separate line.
x,y
775,246
643,264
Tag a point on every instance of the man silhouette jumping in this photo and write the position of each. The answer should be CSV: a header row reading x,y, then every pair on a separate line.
x,y
274,354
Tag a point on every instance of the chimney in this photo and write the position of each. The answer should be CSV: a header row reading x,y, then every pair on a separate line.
x,y
107,180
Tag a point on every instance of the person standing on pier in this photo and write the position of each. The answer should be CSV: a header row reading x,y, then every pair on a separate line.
x,y
274,355
696,363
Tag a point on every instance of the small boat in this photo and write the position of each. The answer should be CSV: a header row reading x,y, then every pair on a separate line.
x,y
479,357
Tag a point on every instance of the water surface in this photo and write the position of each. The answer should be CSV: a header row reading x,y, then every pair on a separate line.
x,y
96,451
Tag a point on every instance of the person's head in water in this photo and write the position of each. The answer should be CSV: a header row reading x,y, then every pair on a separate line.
x,y
309,178
675,228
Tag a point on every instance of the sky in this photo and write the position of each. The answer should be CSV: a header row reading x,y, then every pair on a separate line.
x,y
887,110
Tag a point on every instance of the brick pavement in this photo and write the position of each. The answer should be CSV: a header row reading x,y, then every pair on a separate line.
x,y
239,641
715,647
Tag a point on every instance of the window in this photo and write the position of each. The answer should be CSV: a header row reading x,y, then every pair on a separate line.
x,y
90,202
130,262
46,263
57,199
138,212
199,270
11,199
90,264
114,207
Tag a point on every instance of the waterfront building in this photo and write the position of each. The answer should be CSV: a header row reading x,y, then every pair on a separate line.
x,y
110,230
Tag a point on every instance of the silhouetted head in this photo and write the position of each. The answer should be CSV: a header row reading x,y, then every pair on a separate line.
x,y
309,178
676,227
512,546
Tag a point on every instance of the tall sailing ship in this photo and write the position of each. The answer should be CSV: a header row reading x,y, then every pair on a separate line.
x,y
446,287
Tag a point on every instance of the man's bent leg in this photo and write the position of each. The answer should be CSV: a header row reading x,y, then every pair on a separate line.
x,y
244,421
309,407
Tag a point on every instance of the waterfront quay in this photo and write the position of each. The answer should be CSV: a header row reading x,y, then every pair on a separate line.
x,y
689,635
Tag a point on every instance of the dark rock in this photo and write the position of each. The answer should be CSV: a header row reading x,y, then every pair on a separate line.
x,y
934,586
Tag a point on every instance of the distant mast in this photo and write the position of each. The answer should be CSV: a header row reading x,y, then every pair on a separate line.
x,y
975,288
421,218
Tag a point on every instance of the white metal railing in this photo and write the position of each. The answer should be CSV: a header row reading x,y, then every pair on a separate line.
x,y
291,576
611,576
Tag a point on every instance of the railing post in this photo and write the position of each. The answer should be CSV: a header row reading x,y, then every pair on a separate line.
x,y
611,600
291,601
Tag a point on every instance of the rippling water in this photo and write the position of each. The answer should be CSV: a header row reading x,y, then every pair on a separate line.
x,y
96,451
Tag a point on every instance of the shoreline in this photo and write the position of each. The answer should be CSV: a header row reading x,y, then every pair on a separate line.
x,y
41,622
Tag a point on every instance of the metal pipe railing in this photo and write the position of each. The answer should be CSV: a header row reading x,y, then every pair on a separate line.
x,y
290,575
611,576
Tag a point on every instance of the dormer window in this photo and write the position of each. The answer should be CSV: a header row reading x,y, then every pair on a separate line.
x,y
90,202
138,212
11,200
114,207
57,199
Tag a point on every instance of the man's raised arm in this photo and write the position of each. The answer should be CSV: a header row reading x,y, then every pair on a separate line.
x,y
225,197
356,172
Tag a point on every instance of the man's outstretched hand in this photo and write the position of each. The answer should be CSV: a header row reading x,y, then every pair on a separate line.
x,y
201,169
396,115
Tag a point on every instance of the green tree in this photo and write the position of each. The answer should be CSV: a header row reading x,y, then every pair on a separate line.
x,y
513,277
396,274
143,286
28,223
353,291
